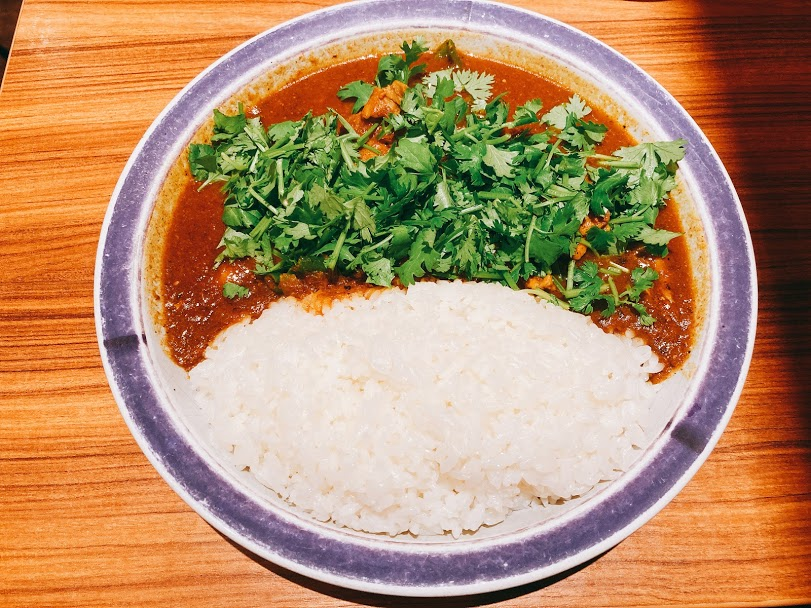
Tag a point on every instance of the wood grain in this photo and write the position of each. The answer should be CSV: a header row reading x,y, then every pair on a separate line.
x,y
86,521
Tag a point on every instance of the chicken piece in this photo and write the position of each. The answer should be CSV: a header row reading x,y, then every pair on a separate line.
x,y
239,272
356,122
384,101
590,222
544,283
379,146
579,251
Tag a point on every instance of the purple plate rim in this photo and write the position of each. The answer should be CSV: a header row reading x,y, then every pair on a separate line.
x,y
400,569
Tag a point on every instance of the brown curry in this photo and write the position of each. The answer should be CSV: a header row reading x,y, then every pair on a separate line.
x,y
196,310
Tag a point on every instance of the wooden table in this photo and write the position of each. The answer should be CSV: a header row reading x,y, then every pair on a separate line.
x,y
84,518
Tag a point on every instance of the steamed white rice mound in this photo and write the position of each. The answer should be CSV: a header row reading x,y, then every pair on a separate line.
x,y
438,409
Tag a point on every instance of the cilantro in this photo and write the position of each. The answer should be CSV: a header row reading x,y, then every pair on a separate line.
x,y
415,155
203,161
229,124
527,113
232,290
395,67
500,160
563,115
651,236
588,287
447,50
379,272
648,156
468,188
445,82
600,240
641,280
359,91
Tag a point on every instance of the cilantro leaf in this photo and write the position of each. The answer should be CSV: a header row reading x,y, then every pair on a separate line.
x,y
229,124
649,155
421,256
528,113
652,236
413,51
232,290
443,197
559,116
362,219
500,160
601,240
644,316
202,161
475,84
359,91
395,67
379,272
627,230
330,204
415,155
587,288
642,279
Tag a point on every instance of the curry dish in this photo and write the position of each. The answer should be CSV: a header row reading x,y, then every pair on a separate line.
x,y
196,310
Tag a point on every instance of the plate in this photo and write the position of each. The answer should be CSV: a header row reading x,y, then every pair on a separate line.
x,y
696,405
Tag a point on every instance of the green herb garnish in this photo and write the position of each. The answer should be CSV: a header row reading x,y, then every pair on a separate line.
x,y
468,189
232,290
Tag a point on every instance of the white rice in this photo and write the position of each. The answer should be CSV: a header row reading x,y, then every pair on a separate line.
x,y
440,409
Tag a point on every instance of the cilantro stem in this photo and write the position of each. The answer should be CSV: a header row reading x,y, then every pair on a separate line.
x,y
453,236
491,276
508,278
271,270
368,249
346,156
494,195
619,267
473,209
259,198
614,272
498,140
529,238
614,291
545,295
272,153
280,178
559,192
260,227
333,258
365,137
346,125
620,164
570,276
371,149
459,134
552,151
626,218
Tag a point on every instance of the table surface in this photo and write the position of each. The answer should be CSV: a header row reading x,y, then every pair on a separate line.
x,y
84,518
